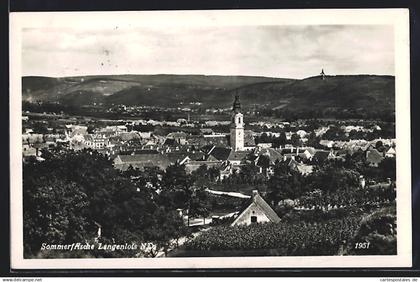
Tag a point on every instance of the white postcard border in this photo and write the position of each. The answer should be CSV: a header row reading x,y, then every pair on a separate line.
x,y
399,18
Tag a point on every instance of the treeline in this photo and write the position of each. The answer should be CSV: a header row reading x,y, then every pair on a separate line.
x,y
338,113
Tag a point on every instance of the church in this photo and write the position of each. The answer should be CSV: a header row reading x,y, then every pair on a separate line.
x,y
237,127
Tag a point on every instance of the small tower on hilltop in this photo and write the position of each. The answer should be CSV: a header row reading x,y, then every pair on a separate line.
x,y
237,126
322,74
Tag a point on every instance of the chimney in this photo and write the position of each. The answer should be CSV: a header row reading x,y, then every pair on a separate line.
x,y
254,193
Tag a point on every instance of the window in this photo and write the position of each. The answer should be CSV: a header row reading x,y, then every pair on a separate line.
x,y
253,219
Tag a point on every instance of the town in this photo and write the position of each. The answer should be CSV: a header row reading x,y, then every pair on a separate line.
x,y
234,172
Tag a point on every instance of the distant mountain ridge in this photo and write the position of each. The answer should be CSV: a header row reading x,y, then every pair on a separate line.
x,y
343,91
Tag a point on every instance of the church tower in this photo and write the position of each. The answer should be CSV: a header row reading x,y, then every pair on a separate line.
x,y
237,127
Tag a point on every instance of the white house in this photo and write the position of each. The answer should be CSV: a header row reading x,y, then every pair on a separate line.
x,y
258,211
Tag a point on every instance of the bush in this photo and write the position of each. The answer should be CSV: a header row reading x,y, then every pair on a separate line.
x,y
299,239
379,230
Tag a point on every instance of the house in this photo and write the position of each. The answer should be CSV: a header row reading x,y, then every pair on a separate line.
x,y
321,131
225,170
270,154
140,161
304,169
264,145
390,153
326,143
206,131
237,157
302,133
94,141
257,211
374,157
127,136
28,150
179,137
320,156
191,166
305,154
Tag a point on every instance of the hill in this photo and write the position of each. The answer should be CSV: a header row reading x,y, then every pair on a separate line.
x,y
348,91
360,92
161,90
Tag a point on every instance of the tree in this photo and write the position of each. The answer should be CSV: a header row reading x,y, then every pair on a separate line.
x,y
313,140
282,185
54,213
388,169
248,172
331,178
295,140
335,133
165,231
76,191
280,141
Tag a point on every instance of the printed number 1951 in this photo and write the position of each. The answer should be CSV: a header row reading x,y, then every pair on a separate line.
x,y
364,245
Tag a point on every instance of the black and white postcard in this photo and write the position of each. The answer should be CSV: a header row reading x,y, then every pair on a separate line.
x,y
210,139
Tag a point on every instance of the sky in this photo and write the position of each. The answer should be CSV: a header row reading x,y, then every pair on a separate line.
x,y
273,51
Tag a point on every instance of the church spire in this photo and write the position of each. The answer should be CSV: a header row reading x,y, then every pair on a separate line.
x,y
236,104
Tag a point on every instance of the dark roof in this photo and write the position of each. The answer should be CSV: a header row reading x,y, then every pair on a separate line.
x,y
207,148
272,154
176,156
220,153
237,155
141,161
374,156
138,152
170,142
193,165
321,155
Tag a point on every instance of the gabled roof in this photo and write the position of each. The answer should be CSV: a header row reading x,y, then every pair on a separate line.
x,y
374,156
258,201
304,169
311,150
176,156
391,151
272,154
220,153
293,163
